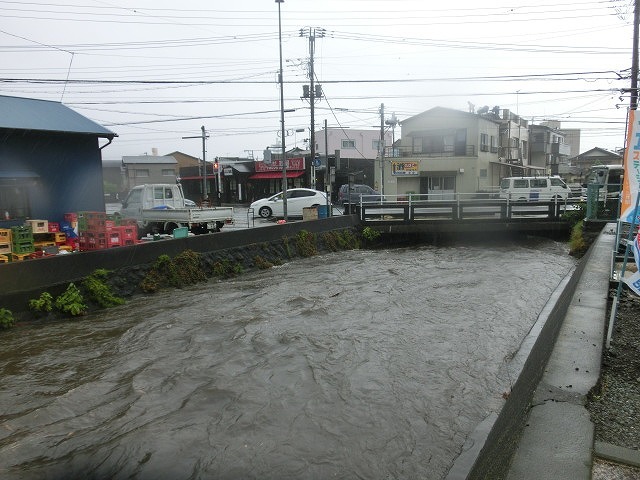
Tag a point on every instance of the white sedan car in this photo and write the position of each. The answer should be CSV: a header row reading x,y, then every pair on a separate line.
x,y
297,199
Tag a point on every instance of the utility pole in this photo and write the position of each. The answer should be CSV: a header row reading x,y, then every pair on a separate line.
x,y
312,94
204,137
284,150
382,148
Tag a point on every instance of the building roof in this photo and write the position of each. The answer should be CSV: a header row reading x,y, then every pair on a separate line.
x,y
44,115
149,159
449,112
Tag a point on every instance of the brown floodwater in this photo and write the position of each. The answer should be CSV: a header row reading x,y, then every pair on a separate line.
x,y
353,365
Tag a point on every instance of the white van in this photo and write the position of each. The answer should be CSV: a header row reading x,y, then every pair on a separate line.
x,y
534,189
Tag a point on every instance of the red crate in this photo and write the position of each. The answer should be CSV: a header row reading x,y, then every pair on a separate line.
x,y
113,238
71,217
54,227
128,232
109,224
128,222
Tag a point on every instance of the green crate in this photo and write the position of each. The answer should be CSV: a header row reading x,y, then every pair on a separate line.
x,y
24,247
21,234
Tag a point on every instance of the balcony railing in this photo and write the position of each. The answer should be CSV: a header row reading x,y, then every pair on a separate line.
x,y
466,151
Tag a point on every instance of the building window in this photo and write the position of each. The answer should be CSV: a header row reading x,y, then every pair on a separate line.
x,y
494,145
141,173
375,144
168,172
484,142
348,144
14,200
483,173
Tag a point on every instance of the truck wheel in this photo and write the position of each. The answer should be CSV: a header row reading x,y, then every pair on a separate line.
x,y
264,212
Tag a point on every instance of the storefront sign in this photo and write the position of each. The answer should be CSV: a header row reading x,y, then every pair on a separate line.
x,y
227,171
404,168
295,163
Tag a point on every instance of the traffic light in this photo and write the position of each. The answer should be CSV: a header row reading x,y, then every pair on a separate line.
x,y
215,166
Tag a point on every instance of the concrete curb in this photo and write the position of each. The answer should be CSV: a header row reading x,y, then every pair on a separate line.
x,y
625,456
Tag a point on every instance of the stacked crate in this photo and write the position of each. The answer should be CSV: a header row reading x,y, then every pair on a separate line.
x,y
98,230
92,230
21,242
5,245
128,231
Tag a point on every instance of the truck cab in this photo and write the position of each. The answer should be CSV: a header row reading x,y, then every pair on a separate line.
x,y
160,196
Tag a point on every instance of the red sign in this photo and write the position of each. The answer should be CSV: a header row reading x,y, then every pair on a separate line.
x,y
296,163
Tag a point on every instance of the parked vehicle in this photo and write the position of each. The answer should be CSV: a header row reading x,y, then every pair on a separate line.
x,y
533,189
297,199
609,177
161,208
357,193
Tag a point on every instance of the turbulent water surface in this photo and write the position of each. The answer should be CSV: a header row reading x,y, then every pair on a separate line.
x,y
361,364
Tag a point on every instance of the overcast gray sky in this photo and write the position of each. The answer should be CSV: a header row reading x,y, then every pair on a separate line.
x,y
154,71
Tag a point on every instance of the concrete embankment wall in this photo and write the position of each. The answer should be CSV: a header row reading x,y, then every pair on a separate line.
x,y
21,281
489,451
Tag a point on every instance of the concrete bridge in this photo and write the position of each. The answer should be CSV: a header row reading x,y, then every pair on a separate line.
x,y
464,214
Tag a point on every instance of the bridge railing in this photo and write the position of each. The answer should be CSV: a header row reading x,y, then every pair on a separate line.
x,y
457,207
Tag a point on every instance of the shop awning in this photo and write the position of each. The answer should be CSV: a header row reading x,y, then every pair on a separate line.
x,y
273,175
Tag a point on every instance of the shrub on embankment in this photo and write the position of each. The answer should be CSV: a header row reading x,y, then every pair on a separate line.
x,y
105,289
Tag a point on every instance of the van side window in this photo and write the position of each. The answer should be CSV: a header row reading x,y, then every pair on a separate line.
x,y
521,183
538,183
556,182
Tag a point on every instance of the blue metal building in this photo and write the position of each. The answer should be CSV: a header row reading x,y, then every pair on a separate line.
x,y
50,161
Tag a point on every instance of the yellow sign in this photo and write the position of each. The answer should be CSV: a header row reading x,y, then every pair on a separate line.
x,y
404,168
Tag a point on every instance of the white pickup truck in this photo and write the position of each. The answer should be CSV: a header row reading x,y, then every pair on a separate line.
x,y
161,208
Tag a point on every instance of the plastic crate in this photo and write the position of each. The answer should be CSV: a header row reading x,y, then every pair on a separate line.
x,y
128,222
21,248
110,224
21,234
59,237
4,258
5,235
181,232
54,227
5,248
38,226
114,239
18,257
128,232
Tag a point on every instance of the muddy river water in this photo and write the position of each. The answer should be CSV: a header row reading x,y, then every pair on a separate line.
x,y
353,365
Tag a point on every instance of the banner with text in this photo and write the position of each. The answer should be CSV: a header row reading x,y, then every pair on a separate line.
x,y
631,171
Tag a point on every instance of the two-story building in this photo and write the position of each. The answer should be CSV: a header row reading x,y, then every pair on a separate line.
x,y
444,151
141,169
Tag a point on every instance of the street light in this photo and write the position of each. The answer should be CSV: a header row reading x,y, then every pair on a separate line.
x,y
284,163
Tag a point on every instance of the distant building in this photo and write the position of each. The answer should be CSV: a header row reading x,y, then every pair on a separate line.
x,y
141,169
50,161
548,147
596,156
353,153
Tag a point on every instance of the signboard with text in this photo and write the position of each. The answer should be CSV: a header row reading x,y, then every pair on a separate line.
x,y
404,168
294,163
